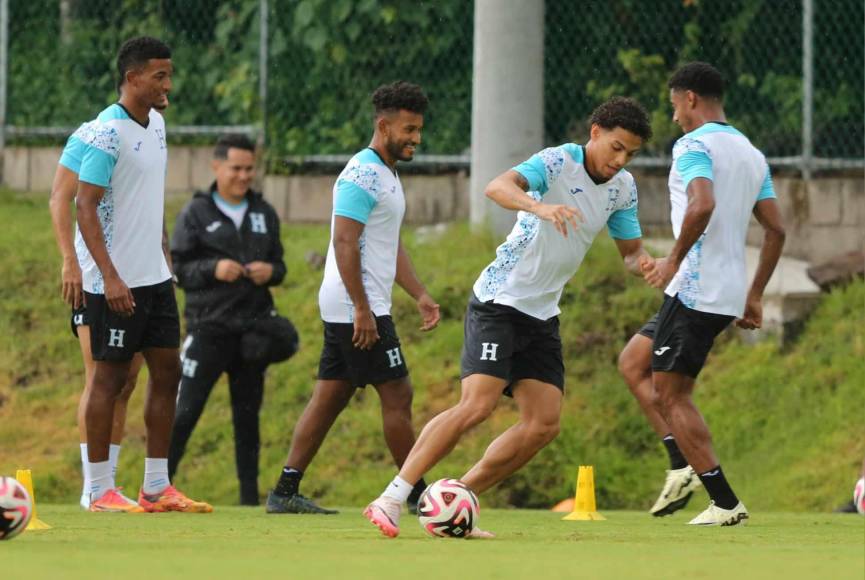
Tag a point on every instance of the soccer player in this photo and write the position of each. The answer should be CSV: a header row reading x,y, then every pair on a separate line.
x,y
717,181
565,196
126,279
62,195
364,259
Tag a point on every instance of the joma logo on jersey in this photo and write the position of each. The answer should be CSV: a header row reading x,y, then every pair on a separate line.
x,y
115,337
257,223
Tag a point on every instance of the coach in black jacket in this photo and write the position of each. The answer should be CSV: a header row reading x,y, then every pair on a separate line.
x,y
226,252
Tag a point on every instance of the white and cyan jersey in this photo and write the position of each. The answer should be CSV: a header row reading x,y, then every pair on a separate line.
x,y
366,191
129,161
712,277
536,261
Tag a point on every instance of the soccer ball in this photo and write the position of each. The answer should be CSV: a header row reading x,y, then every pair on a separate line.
x,y
859,496
449,509
15,508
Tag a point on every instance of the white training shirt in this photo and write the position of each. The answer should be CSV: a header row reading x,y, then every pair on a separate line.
x,y
366,191
129,161
233,211
712,277
536,261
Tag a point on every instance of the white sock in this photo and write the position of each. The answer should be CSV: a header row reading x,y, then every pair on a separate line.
x,y
85,470
155,475
113,457
399,489
101,479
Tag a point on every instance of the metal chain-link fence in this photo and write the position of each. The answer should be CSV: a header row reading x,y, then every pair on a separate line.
x,y
300,72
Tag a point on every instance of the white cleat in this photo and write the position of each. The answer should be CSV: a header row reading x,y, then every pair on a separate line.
x,y
678,488
716,516
384,514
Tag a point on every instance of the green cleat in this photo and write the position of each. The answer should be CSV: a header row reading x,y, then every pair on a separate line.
x,y
293,504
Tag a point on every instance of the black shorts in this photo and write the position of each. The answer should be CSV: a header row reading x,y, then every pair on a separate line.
x,y
79,318
684,337
503,342
341,361
154,324
648,329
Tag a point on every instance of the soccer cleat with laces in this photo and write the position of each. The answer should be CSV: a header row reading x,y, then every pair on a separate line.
x,y
716,516
172,500
114,501
293,504
384,514
678,488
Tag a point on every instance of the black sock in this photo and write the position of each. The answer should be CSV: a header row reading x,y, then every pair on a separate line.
x,y
677,460
289,481
718,488
416,491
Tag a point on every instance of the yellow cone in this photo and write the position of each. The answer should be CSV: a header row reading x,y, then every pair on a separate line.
x,y
26,479
584,499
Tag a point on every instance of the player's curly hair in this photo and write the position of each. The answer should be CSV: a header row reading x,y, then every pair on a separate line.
x,y
623,112
135,53
399,95
699,77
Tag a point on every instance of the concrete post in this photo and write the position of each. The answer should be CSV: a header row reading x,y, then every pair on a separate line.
x,y
507,97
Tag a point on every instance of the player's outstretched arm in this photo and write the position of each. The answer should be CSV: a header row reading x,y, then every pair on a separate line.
x,y
117,294
701,205
407,279
346,248
60,205
768,214
508,190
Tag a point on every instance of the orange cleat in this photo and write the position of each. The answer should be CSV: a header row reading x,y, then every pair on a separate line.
x,y
172,500
114,501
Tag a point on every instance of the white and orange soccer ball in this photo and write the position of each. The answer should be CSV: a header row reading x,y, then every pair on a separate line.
x,y
859,496
16,508
447,508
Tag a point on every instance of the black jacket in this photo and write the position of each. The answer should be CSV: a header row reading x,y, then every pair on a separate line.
x,y
203,235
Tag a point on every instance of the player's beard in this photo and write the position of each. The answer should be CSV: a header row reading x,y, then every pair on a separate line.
x,y
396,151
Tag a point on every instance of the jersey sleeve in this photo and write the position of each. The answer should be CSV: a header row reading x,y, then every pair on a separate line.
x,y
357,193
767,191
542,169
623,223
101,149
73,152
693,161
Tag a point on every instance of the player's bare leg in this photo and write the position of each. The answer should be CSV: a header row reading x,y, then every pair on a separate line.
x,y
692,434
635,366
540,406
396,397
329,398
480,394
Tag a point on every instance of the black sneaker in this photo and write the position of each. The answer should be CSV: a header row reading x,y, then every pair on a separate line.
x,y
293,504
847,508
414,499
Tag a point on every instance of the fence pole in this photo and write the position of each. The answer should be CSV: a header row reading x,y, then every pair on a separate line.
x,y
807,87
4,66
507,98
262,69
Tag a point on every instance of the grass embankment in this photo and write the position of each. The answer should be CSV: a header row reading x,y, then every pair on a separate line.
x,y
788,424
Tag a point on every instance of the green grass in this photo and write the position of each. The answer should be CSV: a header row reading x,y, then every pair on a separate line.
x,y
788,423
237,542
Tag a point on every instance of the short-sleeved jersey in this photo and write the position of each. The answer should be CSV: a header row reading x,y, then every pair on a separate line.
x,y
366,191
129,161
535,262
712,277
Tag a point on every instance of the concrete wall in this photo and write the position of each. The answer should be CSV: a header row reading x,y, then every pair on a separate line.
x,y
824,217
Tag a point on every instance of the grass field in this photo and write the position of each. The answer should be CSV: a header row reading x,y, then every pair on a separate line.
x,y
240,542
